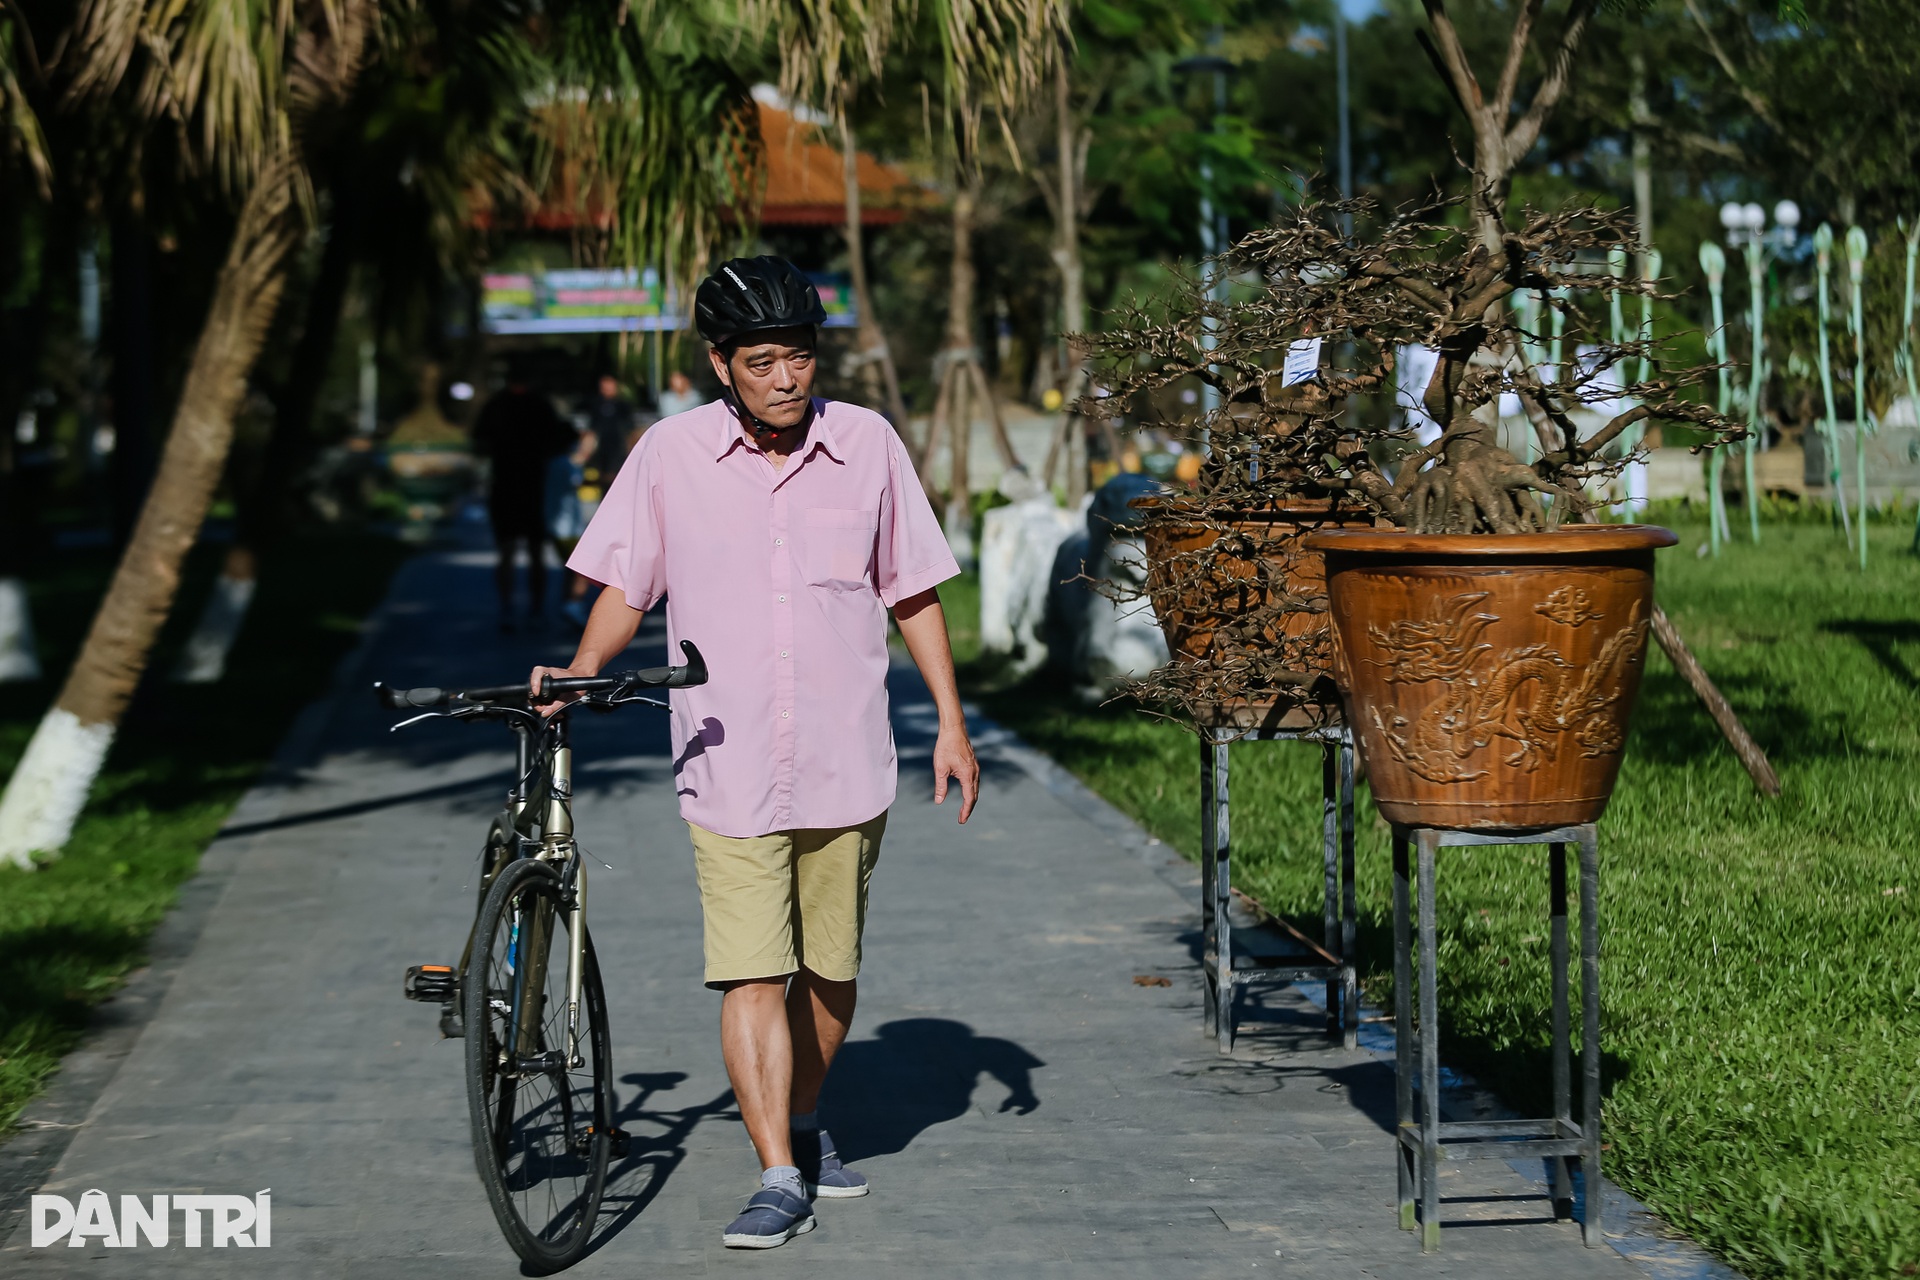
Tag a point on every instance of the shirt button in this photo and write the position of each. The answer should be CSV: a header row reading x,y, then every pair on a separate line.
x,y
783,599
779,542
783,653
785,714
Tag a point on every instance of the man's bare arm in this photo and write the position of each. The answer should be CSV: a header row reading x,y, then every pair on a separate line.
x,y
924,627
610,629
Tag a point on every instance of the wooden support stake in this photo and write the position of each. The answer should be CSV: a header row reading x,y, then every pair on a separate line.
x,y
1001,441
1717,706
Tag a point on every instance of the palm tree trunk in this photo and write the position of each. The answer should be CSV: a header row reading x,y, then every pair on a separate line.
x,y
47,790
873,341
1073,290
958,352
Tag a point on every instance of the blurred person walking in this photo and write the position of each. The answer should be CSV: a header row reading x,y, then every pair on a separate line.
x,y
679,395
780,529
615,424
613,428
520,433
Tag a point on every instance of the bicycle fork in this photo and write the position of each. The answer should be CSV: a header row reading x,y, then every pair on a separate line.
x,y
534,931
559,828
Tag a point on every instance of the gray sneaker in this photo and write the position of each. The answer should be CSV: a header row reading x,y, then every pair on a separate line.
x,y
821,1170
773,1217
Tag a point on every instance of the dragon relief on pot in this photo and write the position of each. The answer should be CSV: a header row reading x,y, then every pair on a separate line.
x,y
1529,695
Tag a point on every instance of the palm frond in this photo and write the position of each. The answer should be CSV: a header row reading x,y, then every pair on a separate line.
x,y
826,47
651,130
993,54
217,69
20,132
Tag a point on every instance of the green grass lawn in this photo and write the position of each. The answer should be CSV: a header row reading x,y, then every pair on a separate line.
x,y
71,930
1762,958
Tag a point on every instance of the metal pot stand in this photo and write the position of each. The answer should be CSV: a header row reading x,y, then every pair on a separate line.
x,y
1426,1140
1330,959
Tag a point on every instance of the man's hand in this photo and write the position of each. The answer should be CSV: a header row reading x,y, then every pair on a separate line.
x,y
924,627
558,673
610,629
953,758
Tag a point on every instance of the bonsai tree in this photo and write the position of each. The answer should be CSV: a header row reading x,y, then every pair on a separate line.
x,y
1244,601
1415,281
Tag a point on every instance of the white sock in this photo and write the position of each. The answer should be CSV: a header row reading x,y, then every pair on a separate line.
x,y
782,1175
808,1123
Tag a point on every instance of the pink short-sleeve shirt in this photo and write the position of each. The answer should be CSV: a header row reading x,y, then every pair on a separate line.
x,y
782,577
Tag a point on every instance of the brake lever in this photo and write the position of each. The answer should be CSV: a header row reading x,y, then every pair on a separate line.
x,y
457,713
633,698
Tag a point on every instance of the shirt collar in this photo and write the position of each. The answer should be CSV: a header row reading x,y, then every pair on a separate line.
x,y
819,435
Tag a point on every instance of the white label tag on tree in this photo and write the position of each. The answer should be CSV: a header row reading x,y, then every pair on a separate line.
x,y
1303,361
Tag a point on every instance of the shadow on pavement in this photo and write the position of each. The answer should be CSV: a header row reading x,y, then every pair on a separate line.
x,y
659,1145
916,1073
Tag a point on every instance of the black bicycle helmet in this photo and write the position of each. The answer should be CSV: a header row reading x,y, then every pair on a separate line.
x,y
747,295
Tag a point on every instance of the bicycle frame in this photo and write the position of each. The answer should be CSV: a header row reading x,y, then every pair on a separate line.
x,y
540,812
538,822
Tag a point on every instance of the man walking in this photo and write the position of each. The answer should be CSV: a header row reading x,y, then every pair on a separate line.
x,y
780,529
519,433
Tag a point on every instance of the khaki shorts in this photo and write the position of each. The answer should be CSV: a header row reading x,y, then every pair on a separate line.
x,y
776,902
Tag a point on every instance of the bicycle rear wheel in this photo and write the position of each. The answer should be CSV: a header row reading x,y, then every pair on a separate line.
x,y
541,1125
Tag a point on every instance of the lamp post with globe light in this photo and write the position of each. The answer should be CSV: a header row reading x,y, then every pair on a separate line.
x,y
1746,227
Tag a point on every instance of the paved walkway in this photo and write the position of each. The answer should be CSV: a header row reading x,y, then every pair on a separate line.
x,y
1022,1106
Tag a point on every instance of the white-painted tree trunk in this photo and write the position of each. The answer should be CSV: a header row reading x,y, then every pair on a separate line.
x,y
19,659
46,792
204,660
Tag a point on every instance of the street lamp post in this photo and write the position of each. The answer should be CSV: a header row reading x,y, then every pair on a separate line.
x,y
1713,261
1830,426
1213,221
1904,352
1746,226
1856,278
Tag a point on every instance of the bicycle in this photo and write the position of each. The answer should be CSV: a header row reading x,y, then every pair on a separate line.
x,y
538,1068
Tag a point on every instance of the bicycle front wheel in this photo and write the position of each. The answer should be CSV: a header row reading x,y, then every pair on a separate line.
x,y
541,1120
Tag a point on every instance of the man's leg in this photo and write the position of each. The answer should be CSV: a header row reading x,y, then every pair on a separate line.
x,y
818,1012
832,871
758,1047
537,575
506,544
746,898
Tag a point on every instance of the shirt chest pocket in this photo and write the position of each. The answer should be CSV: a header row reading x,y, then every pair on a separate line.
x,y
838,552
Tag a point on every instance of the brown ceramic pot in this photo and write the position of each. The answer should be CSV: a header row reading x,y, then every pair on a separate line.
x,y
1489,677
1197,611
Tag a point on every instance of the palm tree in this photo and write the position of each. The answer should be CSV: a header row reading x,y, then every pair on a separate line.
x,y
239,80
247,85
990,57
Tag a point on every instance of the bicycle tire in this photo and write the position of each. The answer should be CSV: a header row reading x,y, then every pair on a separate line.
x,y
541,1138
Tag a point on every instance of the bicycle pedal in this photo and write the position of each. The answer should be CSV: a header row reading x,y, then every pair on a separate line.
x,y
430,983
619,1141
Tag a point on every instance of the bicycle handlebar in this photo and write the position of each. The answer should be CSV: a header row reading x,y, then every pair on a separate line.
x,y
694,672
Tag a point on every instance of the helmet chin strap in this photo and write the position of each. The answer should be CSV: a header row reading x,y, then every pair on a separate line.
x,y
751,421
